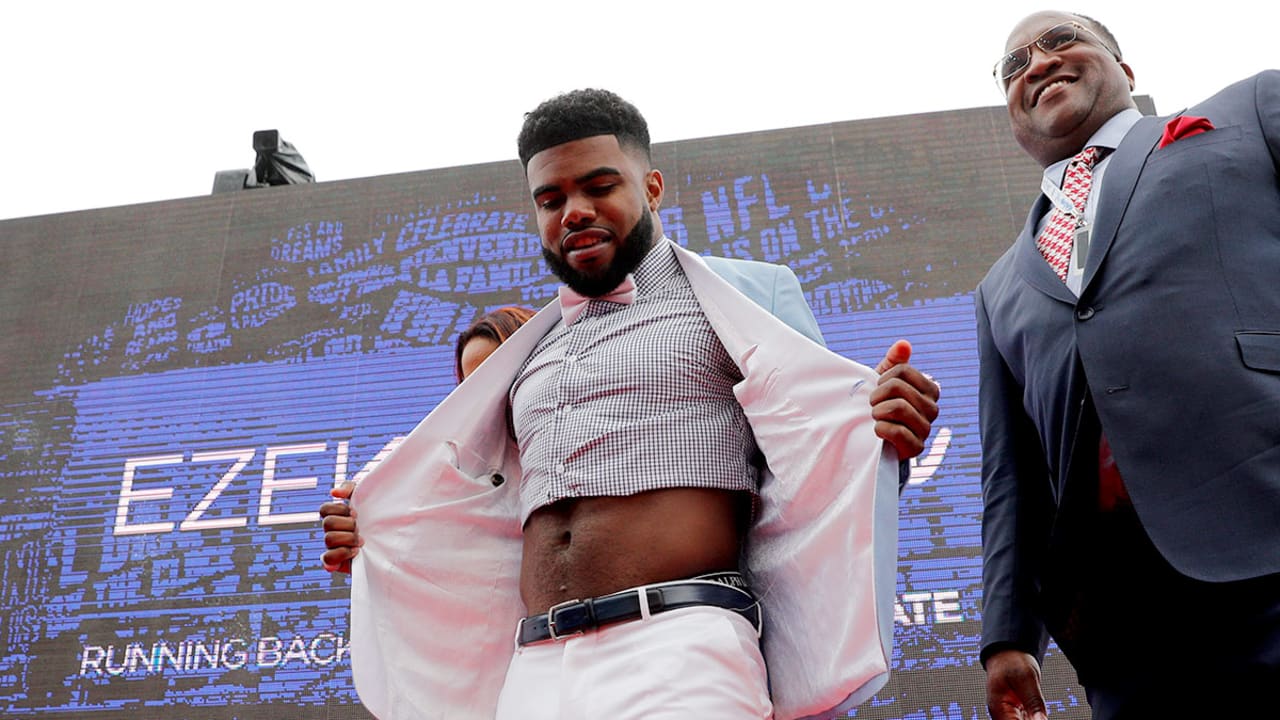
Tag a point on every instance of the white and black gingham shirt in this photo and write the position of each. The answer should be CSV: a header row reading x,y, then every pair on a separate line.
x,y
632,398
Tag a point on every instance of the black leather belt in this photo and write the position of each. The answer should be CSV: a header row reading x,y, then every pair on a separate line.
x,y
575,617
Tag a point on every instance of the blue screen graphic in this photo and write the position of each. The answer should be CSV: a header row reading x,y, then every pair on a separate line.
x,y
189,387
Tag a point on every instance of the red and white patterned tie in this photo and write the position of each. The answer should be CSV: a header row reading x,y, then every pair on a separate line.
x,y
1055,240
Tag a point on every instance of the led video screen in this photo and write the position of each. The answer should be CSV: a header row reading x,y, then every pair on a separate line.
x,y
185,381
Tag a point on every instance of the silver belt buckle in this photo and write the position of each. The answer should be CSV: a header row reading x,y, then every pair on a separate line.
x,y
551,619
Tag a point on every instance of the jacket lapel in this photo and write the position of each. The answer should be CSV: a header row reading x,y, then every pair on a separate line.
x,y
1031,264
435,593
823,552
1119,183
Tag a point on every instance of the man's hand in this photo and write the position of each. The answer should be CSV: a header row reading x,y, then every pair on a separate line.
x,y
340,535
905,403
1013,687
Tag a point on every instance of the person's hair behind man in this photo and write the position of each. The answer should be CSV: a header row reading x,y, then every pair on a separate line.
x,y
497,325
582,114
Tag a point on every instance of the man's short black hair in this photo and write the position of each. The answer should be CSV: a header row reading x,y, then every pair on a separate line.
x,y
1103,33
582,114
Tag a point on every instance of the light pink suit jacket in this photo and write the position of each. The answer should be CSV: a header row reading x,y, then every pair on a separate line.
x,y
435,600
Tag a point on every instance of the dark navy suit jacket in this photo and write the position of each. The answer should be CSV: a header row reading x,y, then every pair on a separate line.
x,y
1174,342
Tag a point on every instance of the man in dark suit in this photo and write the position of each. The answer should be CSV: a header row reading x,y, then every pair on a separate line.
x,y
1130,392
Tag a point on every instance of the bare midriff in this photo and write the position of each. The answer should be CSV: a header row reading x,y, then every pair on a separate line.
x,y
579,548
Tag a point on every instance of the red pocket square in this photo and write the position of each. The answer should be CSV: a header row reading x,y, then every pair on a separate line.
x,y
1184,126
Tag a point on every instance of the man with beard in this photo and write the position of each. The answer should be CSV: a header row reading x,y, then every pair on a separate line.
x,y
1130,392
658,418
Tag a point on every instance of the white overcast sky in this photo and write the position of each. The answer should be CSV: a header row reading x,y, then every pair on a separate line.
x,y
123,102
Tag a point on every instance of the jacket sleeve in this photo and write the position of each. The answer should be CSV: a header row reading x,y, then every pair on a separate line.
x,y
1016,505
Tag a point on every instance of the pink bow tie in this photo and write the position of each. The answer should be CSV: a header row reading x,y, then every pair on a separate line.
x,y
572,304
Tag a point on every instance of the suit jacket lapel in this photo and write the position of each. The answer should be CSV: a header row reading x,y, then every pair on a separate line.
x,y
822,553
443,551
1119,182
1031,264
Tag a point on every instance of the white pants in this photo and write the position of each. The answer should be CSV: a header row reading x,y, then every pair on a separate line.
x,y
696,662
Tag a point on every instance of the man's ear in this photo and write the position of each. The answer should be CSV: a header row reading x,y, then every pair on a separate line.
x,y
1128,71
653,189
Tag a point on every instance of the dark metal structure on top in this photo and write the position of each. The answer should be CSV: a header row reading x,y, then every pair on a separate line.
x,y
278,162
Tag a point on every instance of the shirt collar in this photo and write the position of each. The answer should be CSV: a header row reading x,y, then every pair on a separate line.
x,y
1107,136
1114,130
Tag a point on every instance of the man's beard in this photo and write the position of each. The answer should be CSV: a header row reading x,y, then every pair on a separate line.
x,y
627,257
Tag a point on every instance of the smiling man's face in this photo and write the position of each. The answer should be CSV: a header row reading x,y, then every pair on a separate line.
x,y
595,203
1061,99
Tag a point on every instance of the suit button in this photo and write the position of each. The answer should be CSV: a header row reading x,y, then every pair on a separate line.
x,y
1084,313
